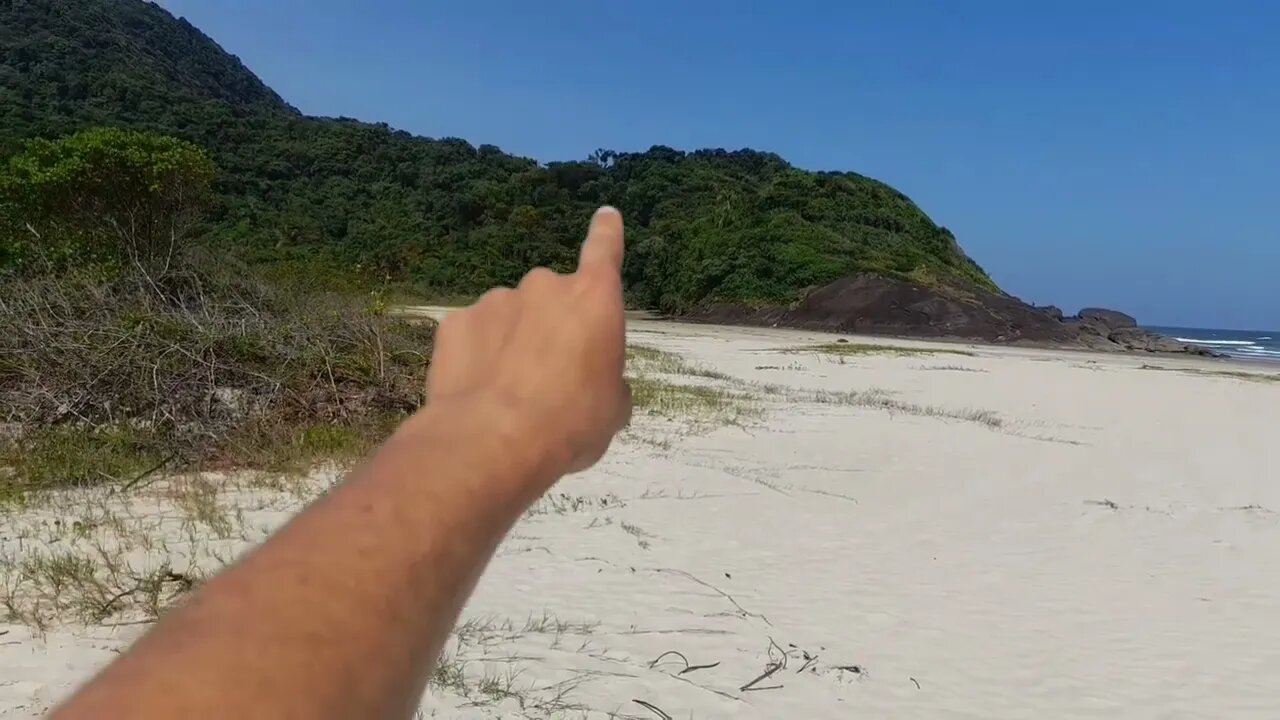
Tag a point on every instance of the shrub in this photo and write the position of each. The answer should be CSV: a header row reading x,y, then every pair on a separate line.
x,y
102,194
103,378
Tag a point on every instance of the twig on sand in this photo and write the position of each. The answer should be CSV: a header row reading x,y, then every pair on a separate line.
x,y
783,653
768,672
652,708
142,475
828,493
142,584
670,652
718,591
714,691
773,667
688,667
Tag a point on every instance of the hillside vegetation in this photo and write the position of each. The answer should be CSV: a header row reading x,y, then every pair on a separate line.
x,y
128,350
339,197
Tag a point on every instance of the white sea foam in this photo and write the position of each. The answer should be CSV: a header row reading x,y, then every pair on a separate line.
x,y
1198,341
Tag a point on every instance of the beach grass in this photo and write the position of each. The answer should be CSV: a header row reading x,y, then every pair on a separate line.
x,y
848,349
707,403
953,368
1240,375
733,402
1257,377
656,389
879,399
642,359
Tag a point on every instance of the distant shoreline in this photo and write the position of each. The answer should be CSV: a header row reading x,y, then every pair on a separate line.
x,y
642,317
1253,346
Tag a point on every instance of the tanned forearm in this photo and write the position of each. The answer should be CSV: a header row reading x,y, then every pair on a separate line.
x,y
342,613
352,587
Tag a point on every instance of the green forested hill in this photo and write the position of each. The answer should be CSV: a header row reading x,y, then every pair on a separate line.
x,y
739,226
65,63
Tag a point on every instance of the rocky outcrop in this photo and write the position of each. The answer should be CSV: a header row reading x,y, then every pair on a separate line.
x,y
1104,329
872,304
1053,311
1137,339
1113,319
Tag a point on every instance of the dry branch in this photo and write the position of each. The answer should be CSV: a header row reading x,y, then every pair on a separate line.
x,y
718,591
653,708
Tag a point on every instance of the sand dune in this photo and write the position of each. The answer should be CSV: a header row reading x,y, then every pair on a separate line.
x,y
820,531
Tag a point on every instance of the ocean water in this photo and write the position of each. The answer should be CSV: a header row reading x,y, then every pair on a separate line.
x,y
1246,344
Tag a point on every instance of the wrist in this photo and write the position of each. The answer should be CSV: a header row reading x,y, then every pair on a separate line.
x,y
495,443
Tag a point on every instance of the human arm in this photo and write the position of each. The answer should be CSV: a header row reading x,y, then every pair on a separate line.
x,y
342,613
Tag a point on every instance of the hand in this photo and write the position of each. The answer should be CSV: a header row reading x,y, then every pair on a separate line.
x,y
547,357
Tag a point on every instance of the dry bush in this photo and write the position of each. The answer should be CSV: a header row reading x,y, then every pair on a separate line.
x,y
109,378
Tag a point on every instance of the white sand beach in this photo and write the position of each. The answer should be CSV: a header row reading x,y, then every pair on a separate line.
x,y
817,532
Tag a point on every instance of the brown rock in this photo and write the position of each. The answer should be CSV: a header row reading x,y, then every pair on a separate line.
x,y
1137,339
1052,311
872,304
1113,319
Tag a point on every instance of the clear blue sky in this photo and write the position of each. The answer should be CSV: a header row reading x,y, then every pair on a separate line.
x,y
1124,153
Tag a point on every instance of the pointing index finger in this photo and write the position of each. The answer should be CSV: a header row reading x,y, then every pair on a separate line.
x,y
604,245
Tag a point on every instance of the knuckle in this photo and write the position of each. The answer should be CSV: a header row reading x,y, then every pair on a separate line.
x,y
495,293
538,277
601,279
497,297
448,327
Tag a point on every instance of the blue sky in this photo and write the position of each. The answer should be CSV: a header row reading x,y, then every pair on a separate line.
x,y
1124,154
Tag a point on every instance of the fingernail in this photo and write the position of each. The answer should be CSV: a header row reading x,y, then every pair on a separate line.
x,y
606,209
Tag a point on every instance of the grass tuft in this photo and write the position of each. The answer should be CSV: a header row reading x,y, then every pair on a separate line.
x,y
879,399
735,402
703,403
77,456
655,391
1257,377
846,349
47,587
644,359
564,504
953,368
197,497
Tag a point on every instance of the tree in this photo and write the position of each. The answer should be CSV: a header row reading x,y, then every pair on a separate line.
x,y
104,193
602,157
